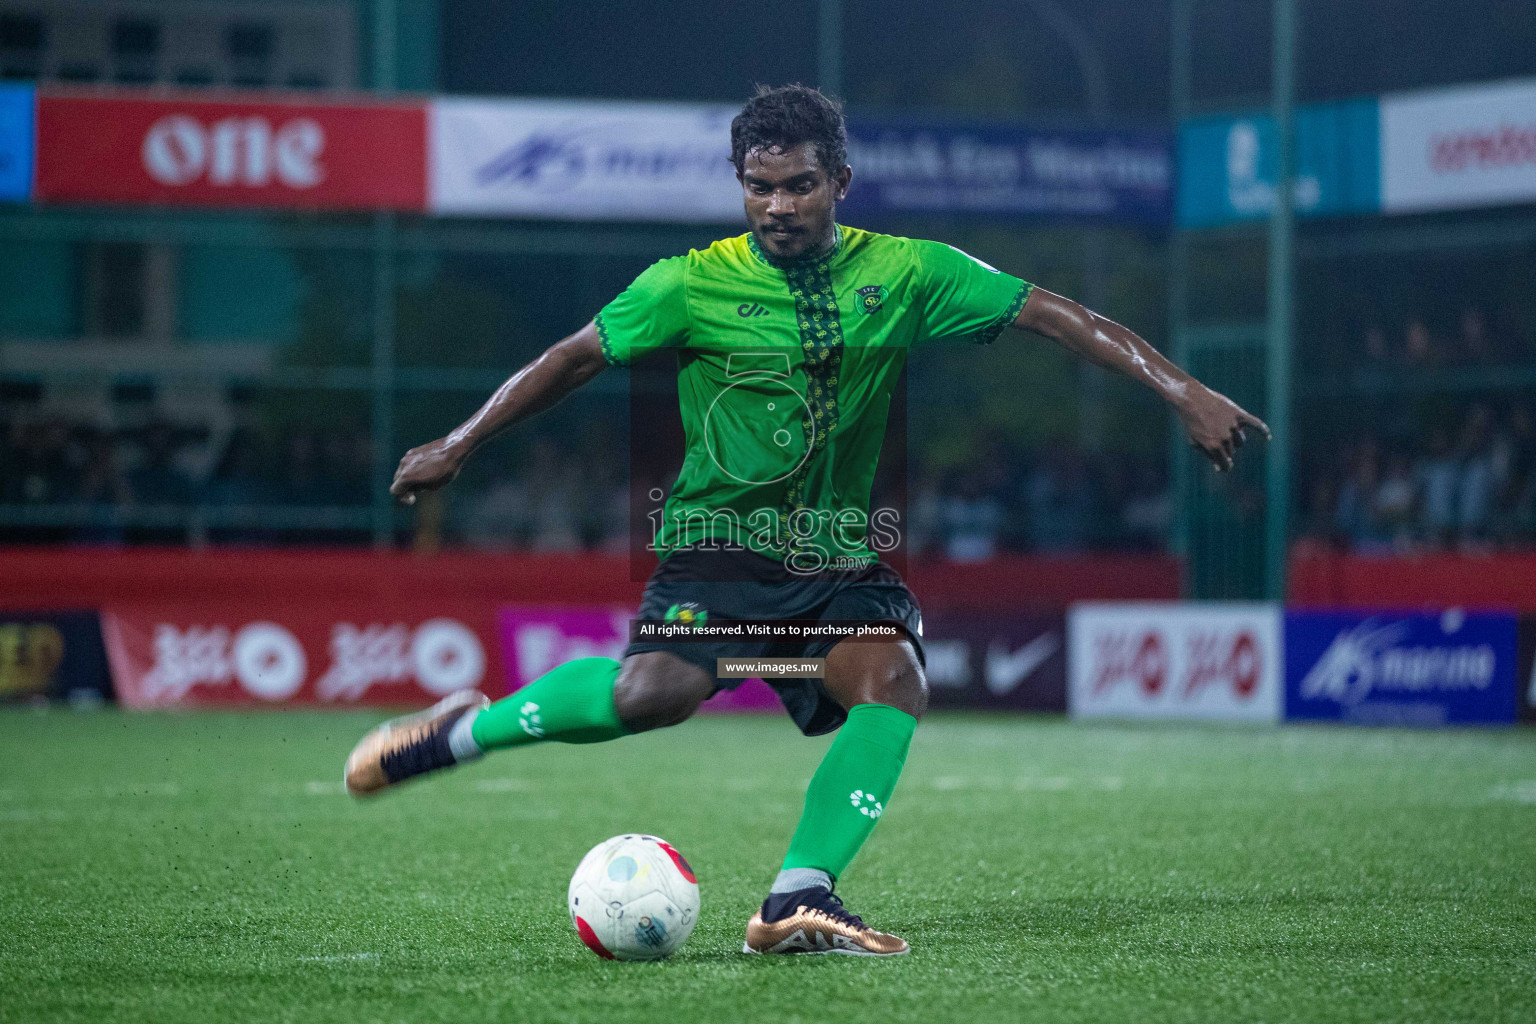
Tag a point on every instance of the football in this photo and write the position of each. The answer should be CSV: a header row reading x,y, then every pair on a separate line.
x,y
633,897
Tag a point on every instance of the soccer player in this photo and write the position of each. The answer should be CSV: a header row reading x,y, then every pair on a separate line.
x,y
789,340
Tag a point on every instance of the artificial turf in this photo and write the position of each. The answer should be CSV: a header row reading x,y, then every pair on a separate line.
x,y
207,867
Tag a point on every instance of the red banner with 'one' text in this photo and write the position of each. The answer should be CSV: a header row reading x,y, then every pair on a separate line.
x,y
230,152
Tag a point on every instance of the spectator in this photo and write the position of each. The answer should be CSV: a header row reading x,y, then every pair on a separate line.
x,y
1318,524
41,466
1355,519
1148,512
302,481
347,467
1393,505
1437,475
554,495
237,479
1475,484
157,480
1476,346
102,486
498,517
1512,455
1376,350
972,520
1060,502
1418,346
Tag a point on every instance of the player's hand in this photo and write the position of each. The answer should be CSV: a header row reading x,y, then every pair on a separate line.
x,y
1218,426
427,468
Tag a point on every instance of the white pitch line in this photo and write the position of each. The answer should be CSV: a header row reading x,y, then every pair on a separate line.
x,y
1521,792
339,958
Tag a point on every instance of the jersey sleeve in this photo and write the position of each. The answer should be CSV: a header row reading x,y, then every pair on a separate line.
x,y
651,313
963,297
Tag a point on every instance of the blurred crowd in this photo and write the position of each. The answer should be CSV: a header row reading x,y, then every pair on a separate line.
x,y
1470,342
570,497
1061,500
82,473
1466,482
1446,463
84,483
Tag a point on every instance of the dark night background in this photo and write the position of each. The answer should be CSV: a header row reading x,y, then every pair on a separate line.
x,y
987,57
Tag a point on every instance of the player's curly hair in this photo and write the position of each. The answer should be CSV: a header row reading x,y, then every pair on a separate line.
x,y
786,117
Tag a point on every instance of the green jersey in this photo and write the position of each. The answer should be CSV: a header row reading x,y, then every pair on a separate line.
x,y
785,376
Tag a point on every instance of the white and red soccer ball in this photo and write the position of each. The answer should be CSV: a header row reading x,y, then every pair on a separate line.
x,y
633,897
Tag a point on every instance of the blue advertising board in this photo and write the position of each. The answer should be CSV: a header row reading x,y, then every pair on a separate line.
x,y
54,655
1228,164
1010,170
1451,668
17,106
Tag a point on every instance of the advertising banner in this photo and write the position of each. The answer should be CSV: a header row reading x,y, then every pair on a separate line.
x,y
1001,662
581,160
326,654
1175,660
537,639
1453,668
17,103
1525,669
1001,170
52,654
127,149
1468,146
1228,164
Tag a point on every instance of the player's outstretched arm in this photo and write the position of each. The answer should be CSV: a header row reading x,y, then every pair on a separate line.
x,y
1216,424
564,367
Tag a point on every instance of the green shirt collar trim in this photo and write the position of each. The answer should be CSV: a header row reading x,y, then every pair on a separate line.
x,y
818,257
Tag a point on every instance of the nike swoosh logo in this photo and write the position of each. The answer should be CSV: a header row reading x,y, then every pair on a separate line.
x,y
1006,671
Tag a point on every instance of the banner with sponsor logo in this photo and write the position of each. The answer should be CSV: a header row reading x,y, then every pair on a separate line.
x,y
537,639
17,103
1001,170
1468,146
1168,660
1228,164
327,654
1451,668
1525,669
116,148
1002,662
57,655
582,160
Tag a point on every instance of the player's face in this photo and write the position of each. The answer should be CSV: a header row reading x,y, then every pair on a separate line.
x,y
791,198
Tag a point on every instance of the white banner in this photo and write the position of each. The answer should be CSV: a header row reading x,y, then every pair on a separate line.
x,y
577,160
1469,146
1175,660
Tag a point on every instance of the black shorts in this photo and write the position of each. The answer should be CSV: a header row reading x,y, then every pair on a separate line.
x,y
739,585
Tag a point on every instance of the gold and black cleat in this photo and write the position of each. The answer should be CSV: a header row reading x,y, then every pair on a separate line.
x,y
815,921
408,746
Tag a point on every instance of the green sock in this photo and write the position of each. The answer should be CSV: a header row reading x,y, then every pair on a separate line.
x,y
851,788
569,704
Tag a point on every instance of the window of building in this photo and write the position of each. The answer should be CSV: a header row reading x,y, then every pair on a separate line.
x,y
249,50
21,45
136,50
116,278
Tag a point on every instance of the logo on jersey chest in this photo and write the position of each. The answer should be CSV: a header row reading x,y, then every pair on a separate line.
x,y
688,613
871,297
747,309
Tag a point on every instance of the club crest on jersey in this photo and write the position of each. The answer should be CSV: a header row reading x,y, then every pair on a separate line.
x,y
872,297
687,613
